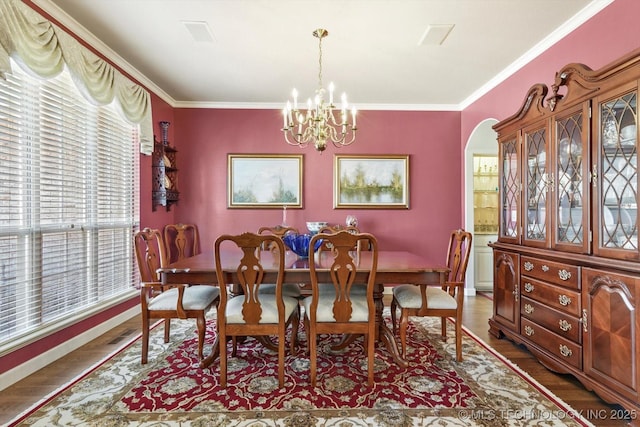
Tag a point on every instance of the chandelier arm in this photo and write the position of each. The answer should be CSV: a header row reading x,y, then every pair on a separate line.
x,y
296,141
343,142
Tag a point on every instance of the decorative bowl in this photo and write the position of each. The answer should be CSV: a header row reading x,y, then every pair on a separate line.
x,y
299,243
314,227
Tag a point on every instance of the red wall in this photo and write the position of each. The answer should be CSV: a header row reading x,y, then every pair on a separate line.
x,y
204,138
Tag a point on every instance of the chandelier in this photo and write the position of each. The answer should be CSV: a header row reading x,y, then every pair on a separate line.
x,y
319,124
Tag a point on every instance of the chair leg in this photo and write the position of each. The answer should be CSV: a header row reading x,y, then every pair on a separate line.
x,y
443,328
459,338
281,350
223,360
306,328
145,338
370,358
202,329
394,307
294,331
404,322
167,329
311,337
234,341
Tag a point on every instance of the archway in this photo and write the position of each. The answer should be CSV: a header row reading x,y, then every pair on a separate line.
x,y
482,142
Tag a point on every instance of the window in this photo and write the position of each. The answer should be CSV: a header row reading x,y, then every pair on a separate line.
x,y
69,197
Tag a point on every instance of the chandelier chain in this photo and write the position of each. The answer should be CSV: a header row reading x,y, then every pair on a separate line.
x,y
320,36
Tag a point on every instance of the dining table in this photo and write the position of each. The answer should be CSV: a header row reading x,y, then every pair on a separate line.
x,y
394,267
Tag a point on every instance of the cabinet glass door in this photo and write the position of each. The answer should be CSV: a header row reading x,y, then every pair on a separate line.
x,y
510,190
536,182
569,184
618,178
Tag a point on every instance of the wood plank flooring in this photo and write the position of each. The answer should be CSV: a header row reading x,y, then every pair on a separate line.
x,y
20,396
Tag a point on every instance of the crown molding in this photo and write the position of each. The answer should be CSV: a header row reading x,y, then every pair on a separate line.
x,y
279,106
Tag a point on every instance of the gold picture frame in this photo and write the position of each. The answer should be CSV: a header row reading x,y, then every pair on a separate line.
x,y
371,182
264,181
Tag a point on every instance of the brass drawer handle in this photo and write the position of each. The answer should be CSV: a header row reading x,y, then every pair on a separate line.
x,y
528,308
528,266
565,351
528,287
564,325
564,274
564,300
529,330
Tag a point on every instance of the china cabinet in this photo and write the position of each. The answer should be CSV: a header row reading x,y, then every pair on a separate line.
x,y
566,270
164,172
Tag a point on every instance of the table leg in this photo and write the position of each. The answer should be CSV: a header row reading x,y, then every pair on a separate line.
x,y
215,350
384,335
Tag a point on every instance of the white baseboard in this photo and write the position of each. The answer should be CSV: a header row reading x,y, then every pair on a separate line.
x,y
16,374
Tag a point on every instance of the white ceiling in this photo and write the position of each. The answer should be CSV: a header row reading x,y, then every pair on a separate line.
x,y
261,49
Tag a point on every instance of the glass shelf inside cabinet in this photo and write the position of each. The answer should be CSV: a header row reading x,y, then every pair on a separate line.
x,y
619,160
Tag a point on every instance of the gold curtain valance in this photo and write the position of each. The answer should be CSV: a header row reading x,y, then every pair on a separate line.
x,y
44,49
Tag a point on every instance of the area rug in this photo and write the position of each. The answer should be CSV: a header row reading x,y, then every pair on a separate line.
x,y
172,390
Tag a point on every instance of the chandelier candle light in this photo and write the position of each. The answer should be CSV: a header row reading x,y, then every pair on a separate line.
x,y
319,123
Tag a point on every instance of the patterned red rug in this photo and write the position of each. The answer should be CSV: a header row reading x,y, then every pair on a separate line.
x,y
173,390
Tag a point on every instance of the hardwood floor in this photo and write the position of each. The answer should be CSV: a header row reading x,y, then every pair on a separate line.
x,y
20,396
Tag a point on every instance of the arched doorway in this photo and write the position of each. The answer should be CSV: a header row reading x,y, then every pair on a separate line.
x,y
480,157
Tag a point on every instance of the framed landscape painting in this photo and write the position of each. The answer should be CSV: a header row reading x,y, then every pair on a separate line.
x,y
264,181
376,182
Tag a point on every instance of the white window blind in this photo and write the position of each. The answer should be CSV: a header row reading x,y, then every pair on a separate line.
x,y
69,193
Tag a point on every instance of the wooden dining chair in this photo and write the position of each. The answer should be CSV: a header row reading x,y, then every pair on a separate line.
x,y
182,240
253,313
342,311
445,301
167,302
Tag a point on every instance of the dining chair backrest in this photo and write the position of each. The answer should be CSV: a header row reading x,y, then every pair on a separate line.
x,y
343,269
181,240
328,229
458,253
278,230
150,253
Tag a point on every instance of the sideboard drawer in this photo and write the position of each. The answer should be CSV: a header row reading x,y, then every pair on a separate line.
x,y
563,299
562,348
552,272
554,320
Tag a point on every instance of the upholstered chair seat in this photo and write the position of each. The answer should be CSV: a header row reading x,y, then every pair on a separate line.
x,y
408,296
268,305
193,298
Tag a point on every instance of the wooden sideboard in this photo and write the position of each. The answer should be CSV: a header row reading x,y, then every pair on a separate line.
x,y
567,261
